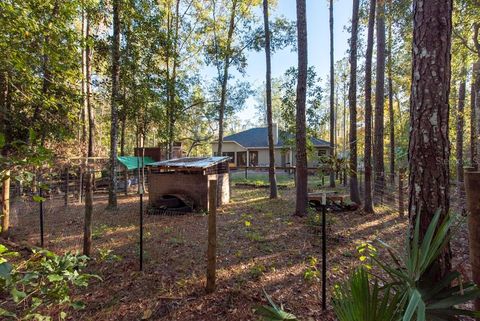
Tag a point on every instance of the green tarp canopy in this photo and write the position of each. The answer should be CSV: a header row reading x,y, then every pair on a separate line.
x,y
133,162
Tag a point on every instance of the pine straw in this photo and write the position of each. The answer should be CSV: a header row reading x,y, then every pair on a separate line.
x,y
260,245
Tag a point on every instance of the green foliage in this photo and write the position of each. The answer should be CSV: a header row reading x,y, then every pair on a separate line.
x,y
176,240
254,236
42,280
312,274
257,271
40,62
101,230
22,158
360,299
410,283
315,116
273,312
428,298
108,255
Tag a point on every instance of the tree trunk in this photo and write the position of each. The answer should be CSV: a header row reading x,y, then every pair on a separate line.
x,y
5,205
473,127
476,72
301,136
368,206
268,83
112,191
429,149
6,130
169,147
3,101
378,150
391,112
87,227
212,237
226,66
344,128
472,187
83,111
332,98
352,102
123,125
90,176
90,114
172,85
460,125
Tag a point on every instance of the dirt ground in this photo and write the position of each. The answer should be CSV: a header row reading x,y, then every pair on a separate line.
x,y
260,246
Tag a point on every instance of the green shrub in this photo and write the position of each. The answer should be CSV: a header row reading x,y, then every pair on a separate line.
x,y
42,280
312,274
107,255
418,296
361,299
257,271
273,312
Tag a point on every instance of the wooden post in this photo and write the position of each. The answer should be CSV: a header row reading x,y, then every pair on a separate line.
x,y
246,172
6,205
67,185
472,189
324,255
212,237
87,228
401,208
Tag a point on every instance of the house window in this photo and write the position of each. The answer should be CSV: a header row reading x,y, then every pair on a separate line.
x,y
322,152
231,155
253,155
241,158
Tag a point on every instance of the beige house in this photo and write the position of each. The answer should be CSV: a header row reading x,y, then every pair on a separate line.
x,y
250,147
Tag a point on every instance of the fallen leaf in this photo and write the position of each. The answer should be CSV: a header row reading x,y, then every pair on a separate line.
x,y
147,314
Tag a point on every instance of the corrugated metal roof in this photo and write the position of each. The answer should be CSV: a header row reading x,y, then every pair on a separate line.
x,y
258,137
191,162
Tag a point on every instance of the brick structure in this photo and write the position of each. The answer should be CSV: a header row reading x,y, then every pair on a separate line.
x,y
160,153
189,180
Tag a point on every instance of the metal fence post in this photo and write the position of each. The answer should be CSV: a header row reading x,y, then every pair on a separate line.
x,y
141,229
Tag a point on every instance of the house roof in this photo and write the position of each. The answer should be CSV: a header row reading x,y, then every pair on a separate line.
x,y
258,137
191,162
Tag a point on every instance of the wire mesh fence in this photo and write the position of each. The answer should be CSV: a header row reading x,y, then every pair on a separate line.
x,y
118,231
54,203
